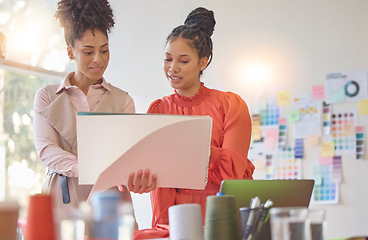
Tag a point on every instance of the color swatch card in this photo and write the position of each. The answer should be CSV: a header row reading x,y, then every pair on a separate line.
x,y
270,115
336,169
299,148
271,136
256,128
343,131
256,151
360,136
346,86
310,118
282,132
325,191
326,119
286,166
269,166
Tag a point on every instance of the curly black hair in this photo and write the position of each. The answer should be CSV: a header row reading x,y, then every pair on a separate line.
x,y
77,16
198,28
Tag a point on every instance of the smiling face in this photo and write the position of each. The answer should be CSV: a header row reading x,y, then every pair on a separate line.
x,y
91,56
182,67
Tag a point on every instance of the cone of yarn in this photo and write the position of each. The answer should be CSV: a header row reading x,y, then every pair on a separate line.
x,y
222,220
40,219
185,221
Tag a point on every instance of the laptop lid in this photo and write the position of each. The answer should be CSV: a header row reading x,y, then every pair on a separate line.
x,y
283,193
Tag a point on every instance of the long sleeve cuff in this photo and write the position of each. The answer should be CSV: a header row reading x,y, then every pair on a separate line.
x,y
214,158
72,171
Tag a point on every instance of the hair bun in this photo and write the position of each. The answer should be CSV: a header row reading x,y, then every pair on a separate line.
x,y
202,18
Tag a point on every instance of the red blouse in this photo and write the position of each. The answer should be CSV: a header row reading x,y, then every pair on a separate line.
x,y
231,134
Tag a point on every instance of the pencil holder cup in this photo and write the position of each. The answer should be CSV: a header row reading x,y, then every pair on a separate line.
x,y
290,223
317,222
252,221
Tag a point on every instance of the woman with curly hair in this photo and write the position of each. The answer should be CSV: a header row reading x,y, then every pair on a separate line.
x,y
188,53
86,26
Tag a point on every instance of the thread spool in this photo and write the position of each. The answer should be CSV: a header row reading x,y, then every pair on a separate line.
x,y
186,222
222,219
9,212
40,219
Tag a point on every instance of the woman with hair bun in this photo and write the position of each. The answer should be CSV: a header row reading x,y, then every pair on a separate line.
x,y
188,53
86,26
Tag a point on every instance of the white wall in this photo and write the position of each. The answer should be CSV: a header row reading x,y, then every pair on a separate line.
x,y
299,42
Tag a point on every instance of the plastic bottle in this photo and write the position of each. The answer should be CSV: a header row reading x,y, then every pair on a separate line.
x,y
105,211
126,221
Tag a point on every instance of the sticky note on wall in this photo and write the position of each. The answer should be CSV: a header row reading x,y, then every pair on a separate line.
x,y
339,95
283,98
294,116
328,149
318,92
313,140
363,106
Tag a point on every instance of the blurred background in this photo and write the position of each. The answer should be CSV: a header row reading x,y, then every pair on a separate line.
x,y
260,48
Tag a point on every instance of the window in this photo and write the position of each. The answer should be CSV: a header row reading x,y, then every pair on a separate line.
x,y
23,172
32,35
33,54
